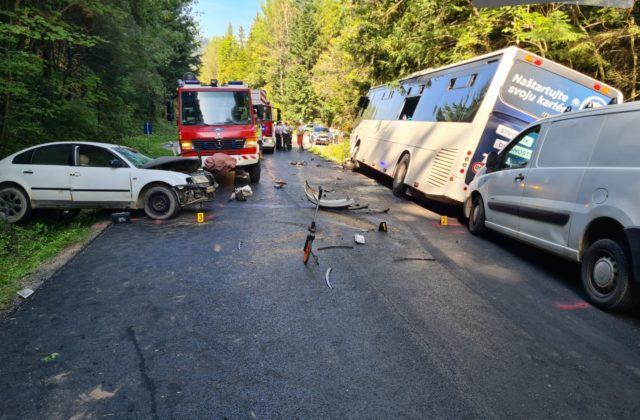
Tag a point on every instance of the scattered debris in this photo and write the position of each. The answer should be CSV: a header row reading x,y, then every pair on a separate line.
x,y
280,181
338,178
49,357
325,202
123,217
299,162
241,194
25,293
239,244
335,247
326,276
414,259
278,186
359,238
382,227
359,206
318,166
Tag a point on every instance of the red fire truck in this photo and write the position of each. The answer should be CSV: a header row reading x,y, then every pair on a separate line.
x,y
218,119
265,114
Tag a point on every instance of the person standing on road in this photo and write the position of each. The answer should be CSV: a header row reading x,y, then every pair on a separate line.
x,y
279,140
300,134
286,135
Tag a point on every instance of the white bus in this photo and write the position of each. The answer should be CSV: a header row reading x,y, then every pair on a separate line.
x,y
432,130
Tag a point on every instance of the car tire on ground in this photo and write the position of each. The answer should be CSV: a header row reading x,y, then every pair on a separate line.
x,y
254,173
160,202
15,206
476,216
606,275
399,188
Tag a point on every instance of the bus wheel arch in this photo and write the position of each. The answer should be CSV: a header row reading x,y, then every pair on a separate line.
x,y
399,188
354,156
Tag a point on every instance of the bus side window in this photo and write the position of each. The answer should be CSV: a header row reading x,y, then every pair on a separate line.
x,y
410,105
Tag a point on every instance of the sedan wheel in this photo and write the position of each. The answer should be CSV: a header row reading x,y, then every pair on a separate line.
x,y
15,206
160,203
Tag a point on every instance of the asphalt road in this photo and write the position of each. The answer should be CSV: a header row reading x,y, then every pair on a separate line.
x,y
222,320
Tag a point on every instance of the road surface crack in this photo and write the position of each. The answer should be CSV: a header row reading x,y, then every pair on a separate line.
x,y
148,383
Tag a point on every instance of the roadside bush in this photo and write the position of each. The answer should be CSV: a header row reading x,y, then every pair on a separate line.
x,y
336,152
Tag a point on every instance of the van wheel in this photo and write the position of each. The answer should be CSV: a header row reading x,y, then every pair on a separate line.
x,y
606,275
354,158
476,216
254,173
15,206
399,188
160,203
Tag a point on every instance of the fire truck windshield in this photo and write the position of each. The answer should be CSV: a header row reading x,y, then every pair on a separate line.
x,y
215,108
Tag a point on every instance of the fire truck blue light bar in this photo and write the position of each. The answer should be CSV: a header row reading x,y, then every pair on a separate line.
x,y
623,4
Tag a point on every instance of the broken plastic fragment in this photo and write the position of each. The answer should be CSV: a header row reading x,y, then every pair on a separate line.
x,y
25,293
326,202
326,277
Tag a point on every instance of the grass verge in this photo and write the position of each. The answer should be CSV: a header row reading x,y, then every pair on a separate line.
x,y
23,248
336,152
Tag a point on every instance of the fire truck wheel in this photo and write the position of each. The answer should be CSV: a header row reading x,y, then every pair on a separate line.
x,y
254,173
160,203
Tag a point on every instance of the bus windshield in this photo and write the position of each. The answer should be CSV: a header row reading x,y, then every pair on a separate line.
x,y
542,93
215,108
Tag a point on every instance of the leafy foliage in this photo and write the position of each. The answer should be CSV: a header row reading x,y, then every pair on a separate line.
x,y
88,69
316,57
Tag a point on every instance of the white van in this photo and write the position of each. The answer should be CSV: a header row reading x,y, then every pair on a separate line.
x,y
570,184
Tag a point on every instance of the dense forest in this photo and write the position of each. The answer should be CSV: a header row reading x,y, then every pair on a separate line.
x,y
96,69
89,69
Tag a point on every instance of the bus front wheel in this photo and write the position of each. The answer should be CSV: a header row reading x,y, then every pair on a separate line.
x,y
399,188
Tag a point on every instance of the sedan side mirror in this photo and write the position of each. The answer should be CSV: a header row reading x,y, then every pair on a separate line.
x,y
493,161
116,163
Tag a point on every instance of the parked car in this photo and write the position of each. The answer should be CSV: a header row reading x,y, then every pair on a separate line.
x,y
73,175
321,135
570,185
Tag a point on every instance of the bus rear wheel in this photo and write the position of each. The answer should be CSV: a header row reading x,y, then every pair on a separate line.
x,y
399,188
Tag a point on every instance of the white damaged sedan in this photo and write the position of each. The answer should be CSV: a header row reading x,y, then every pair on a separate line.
x,y
77,175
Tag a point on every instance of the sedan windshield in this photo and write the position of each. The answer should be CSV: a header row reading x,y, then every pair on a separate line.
x,y
215,108
134,157
319,130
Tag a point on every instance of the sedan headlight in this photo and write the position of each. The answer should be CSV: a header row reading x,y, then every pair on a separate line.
x,y
200,179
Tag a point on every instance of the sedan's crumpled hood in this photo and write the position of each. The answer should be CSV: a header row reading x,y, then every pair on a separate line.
x,y
174,163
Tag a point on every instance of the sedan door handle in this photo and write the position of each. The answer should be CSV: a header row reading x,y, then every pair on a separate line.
x,y
27,172
520,177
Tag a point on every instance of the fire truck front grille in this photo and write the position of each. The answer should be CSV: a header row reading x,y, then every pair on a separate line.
x,y
218,144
